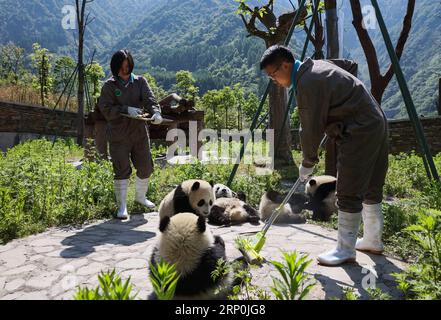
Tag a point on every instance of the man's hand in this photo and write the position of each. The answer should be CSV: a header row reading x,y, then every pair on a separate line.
x,y
134,112
157,118
305,173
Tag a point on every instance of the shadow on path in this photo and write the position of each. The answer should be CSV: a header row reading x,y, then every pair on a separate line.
x,y
363,277
114,232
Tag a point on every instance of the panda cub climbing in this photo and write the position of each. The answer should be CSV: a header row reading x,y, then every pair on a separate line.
x,y
321,191
195,196
186,242
231,208
290,213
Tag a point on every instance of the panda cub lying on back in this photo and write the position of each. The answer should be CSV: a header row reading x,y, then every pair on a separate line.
x,y
187,243
195,196
230,208
290,213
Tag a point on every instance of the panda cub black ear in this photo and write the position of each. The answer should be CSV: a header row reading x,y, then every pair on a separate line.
x,y
211,183
164,224
241,196
202,225
312,182
196,186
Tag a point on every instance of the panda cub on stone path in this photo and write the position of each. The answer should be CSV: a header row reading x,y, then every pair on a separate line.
x,y
321,192
290,213
195,196
188,243
320,199
231,208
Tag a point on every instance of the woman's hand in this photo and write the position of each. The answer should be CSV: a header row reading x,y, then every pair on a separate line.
x,y
134,112
157,118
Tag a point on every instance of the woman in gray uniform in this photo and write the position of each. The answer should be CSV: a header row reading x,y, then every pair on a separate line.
x,y
129,94
333,101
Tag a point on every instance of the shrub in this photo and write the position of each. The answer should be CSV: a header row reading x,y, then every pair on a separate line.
x,y
406,176
111,287
39,188
164,279
422,279
294,283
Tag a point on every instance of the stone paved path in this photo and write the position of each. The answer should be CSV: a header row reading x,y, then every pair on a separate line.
x,y
50,265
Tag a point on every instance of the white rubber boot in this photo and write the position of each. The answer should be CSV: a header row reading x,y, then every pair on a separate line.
x,y
142,187
373,223
348,224
120,187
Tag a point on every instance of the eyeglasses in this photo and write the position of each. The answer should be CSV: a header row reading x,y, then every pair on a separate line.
x,y
273,74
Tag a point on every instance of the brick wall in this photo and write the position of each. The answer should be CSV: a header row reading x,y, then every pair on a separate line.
x,y
20,122
20,118
402,137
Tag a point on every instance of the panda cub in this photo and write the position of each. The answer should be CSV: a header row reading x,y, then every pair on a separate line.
x,y
321,191
290,213
230,208
195,196
186,242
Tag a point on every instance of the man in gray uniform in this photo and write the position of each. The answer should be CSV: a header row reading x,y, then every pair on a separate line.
x,y
333,101
126,93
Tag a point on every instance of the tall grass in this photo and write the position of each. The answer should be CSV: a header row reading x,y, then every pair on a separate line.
x,y
26,94
40,189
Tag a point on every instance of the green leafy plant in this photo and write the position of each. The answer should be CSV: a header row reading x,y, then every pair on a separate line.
x,y
349,293
41,188
221,270
422,279
164,279
377,294
111,288
295,283
243,288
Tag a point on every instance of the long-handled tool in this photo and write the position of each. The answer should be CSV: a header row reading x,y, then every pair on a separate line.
x,y
251,250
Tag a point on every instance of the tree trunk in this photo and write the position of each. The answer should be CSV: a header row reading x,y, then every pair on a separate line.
x,y
80,118
333,44
42,81
439,97
282,140
379,82
333,52
80,93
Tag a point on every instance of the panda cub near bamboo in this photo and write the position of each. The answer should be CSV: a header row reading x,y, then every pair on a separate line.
x,y
290,213
231,208
188,243
321,192
195,196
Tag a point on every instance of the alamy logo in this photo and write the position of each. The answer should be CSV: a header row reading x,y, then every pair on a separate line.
x,y
369,17
69,21
70,280
224,149
369,281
